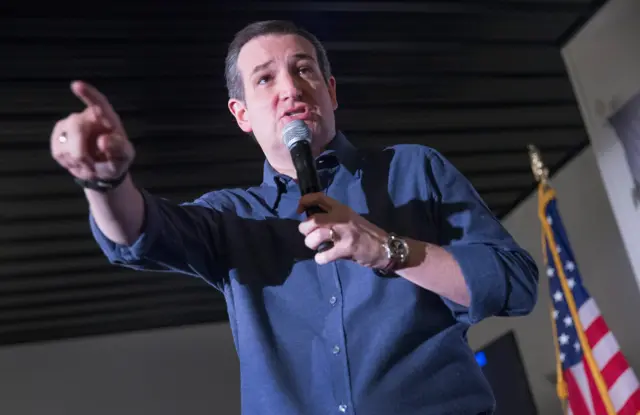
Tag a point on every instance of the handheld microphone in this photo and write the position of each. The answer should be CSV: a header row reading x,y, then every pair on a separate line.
x,y
297,137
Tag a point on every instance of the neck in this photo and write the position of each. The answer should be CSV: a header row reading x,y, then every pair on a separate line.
x,y
281,160
283,164
289,171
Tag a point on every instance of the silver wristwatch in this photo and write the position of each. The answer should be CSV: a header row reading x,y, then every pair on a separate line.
x,y
397,250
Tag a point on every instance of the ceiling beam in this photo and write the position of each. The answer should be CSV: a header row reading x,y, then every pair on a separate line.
x,y
521,28
449,7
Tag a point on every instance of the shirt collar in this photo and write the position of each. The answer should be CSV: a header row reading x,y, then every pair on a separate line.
x,y
339,147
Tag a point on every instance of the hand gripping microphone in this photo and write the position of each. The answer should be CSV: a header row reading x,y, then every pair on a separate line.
x,y
297,137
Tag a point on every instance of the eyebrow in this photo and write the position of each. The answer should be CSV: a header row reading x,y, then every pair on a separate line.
x,y
298,56
261,67
303,55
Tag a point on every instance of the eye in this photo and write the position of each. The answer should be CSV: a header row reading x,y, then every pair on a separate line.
x,y
263,79
304,70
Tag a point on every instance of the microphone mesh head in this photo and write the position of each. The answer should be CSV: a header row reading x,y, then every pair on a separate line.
x,y
295,131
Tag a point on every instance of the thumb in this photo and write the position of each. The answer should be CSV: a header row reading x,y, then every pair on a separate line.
x,y
112,145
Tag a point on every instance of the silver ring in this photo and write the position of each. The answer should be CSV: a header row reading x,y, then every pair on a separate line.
x,y
332,235
63,137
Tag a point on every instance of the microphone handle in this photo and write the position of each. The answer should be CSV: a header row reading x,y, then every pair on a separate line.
x,y
308,179
326,245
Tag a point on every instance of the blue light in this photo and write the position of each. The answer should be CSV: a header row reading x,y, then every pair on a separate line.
x,y
481,359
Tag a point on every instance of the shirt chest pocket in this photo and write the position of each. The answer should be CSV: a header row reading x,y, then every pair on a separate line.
x,y
262,252
412,219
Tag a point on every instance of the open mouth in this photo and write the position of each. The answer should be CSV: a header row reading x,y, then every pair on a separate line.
x,y
295,112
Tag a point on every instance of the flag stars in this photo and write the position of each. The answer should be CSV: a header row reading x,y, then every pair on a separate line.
x,y
549,220
557,296
562,357
551,272
576,346
571,282
555,314
564,339
570,266
567,321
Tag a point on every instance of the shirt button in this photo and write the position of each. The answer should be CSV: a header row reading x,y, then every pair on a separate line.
x,y
336,349
342,408
333,300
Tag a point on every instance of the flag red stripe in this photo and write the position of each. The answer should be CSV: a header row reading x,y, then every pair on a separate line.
x,y
576,400
596,331
612,370
632,407
598,403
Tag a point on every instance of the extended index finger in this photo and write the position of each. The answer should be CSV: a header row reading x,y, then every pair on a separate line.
x,y
90,95
96,101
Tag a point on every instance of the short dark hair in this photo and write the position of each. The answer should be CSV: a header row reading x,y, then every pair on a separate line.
x,y
235,86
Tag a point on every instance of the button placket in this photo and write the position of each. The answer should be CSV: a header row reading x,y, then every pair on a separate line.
x,y
335,336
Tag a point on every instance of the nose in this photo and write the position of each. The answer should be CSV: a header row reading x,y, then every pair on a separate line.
x,y
289,87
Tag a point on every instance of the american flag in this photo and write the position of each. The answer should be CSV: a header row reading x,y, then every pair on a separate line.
x,y
594,376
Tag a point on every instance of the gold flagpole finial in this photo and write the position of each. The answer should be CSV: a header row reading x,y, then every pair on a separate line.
x,y
540,171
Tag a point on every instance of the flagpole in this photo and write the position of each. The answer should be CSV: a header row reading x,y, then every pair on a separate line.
x,y
541,173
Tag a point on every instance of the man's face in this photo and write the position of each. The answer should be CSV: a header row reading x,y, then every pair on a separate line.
x,y
283,82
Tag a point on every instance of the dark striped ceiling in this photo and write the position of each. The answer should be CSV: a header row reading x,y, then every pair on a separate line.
x,y
478,80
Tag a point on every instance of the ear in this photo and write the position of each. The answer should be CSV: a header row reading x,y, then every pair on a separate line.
x,y
241,114
332,92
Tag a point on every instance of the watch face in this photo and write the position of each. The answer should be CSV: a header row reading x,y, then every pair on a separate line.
x,y
398,248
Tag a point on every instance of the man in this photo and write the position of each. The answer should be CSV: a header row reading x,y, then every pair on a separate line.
x,y
375,325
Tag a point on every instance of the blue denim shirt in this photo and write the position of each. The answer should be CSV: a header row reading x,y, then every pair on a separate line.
x,y
338,338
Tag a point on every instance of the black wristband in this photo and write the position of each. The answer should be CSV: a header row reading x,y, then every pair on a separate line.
x,y
101,185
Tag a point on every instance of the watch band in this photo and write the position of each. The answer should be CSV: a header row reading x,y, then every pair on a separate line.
x,y
392,264
389,268
101,185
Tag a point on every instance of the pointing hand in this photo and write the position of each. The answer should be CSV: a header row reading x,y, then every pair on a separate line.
x,y
92,144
